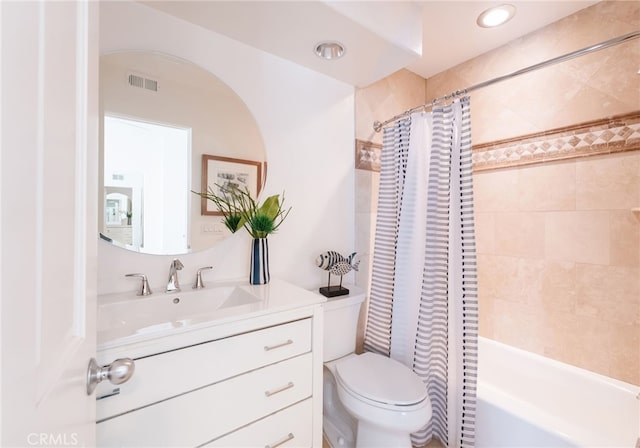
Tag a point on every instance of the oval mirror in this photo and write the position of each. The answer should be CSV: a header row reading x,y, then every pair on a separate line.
x,y
169,127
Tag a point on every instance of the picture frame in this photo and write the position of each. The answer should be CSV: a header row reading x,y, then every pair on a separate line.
x,y
229,172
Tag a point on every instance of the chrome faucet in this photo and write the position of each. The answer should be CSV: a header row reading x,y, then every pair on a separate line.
x,y
173,284
199,283
144,286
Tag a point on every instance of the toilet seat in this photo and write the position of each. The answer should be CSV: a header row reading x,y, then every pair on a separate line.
x,y
381,381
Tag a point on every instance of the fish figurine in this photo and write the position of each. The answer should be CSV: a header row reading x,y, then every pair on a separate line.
x,y
336,264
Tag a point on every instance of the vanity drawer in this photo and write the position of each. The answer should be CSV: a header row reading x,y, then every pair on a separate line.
x,y
172,373
204,414
291,427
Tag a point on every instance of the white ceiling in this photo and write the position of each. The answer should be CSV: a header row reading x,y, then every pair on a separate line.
x,y
451,36
380,37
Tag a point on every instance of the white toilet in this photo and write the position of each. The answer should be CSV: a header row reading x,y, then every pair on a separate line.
x,y
369,400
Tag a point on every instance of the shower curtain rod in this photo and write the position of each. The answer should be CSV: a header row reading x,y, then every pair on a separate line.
x,y
377,126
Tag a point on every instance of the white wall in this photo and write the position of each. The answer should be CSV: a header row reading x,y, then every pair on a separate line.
x,y
306,120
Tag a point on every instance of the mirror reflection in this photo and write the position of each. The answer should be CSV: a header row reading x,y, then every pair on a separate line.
x,y
161,117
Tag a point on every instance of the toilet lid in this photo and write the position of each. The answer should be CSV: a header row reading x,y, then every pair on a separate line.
x,y
381,379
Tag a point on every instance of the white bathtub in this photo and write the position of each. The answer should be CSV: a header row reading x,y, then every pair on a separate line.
x,y
526,400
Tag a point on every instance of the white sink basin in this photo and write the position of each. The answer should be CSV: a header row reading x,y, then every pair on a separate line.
x,y
125,315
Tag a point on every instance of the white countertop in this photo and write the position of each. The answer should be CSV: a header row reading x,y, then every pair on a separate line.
x,y
127,320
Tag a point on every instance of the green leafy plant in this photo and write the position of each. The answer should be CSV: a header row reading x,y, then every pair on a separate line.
x,y
239,210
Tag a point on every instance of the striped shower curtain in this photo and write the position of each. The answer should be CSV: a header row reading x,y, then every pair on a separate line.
x,y
423,307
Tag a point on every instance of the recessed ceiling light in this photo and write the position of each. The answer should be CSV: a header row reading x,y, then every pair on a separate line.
x,y
330,50
496,16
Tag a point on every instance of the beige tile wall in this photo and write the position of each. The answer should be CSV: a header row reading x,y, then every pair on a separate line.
x,y
558,244
559,261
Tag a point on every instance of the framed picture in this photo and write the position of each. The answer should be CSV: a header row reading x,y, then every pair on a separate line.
x,y
228,173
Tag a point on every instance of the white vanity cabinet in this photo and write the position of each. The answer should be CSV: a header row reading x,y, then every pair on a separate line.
x,y
244,383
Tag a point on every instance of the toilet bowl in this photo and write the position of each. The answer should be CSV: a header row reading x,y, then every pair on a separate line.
x,y
369,400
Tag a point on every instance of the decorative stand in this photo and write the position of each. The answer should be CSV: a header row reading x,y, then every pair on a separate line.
x,y
333,291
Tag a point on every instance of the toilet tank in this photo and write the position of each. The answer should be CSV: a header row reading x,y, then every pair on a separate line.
x,y
341,323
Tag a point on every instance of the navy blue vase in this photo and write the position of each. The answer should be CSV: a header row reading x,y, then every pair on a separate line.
x,y
259,269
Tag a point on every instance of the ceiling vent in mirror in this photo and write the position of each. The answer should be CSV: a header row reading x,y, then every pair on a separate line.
x,y
143,83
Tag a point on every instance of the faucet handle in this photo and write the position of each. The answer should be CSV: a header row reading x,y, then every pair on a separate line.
x,y
199,284
145,290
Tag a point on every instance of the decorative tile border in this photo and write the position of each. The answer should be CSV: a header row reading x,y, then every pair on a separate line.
x,y
604,136
368,155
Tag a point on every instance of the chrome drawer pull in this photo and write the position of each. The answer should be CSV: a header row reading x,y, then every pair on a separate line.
x,y
271,347
269,393
281,442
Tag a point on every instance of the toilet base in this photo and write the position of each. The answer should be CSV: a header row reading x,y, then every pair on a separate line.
x,y
338,426
372,436
336,436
